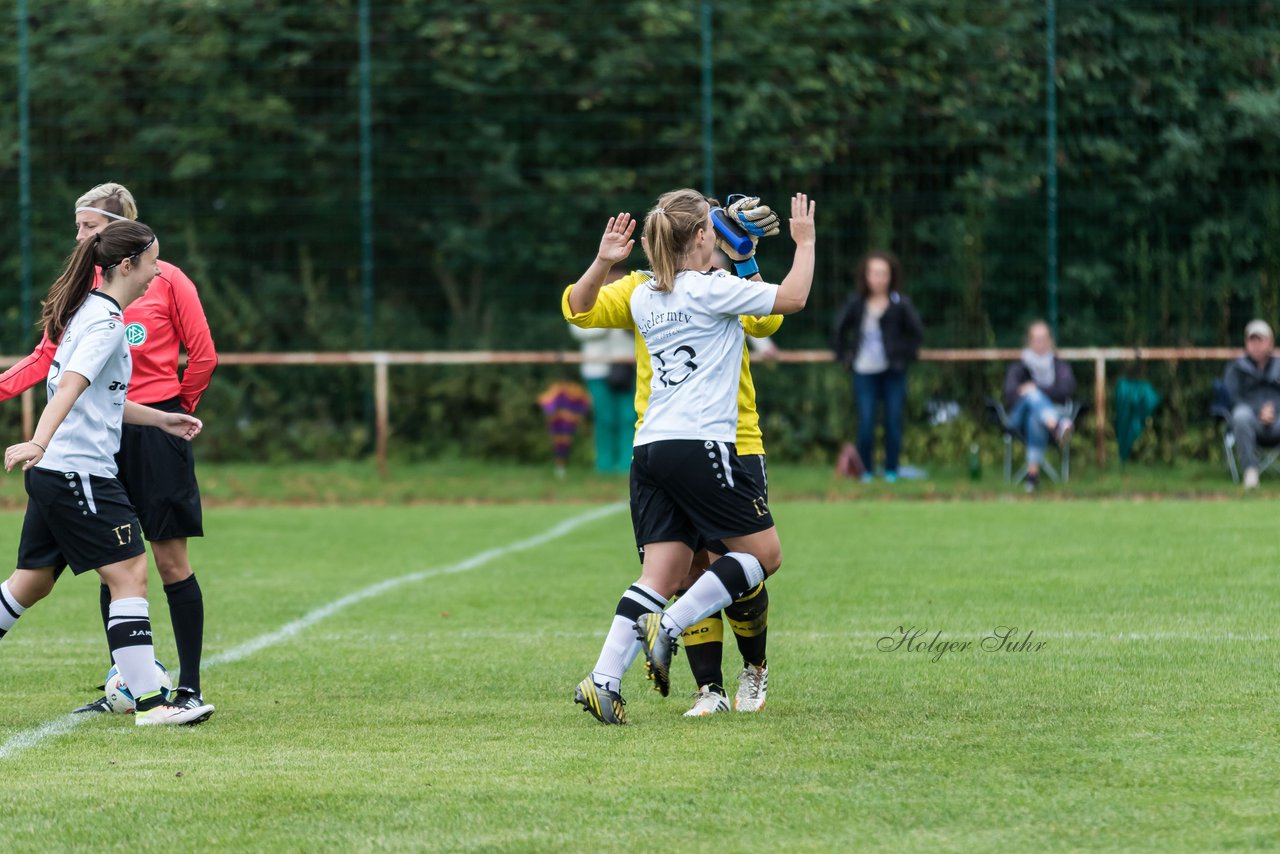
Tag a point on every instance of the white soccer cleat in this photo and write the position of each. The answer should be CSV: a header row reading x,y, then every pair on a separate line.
x,y
753,682
707,702
166,714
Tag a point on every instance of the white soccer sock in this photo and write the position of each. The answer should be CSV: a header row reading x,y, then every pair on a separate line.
x,y
129,635
621,646
10,610
726,580
707,596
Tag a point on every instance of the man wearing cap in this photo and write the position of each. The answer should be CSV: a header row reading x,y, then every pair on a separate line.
x,y
1253,382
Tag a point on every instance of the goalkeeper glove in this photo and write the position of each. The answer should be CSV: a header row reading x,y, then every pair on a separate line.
x,y
756,220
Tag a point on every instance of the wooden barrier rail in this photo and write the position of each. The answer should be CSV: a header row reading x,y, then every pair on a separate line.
x,y
381,360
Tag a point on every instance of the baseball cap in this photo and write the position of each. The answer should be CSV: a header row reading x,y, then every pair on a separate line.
x,y
1258,329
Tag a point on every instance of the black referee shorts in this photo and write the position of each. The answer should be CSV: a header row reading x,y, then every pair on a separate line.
x,y
695,492
159,473
81,521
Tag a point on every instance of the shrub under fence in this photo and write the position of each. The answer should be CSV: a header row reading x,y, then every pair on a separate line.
x,y
315,412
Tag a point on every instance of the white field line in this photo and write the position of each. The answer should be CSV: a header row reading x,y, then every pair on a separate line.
x,y
58,726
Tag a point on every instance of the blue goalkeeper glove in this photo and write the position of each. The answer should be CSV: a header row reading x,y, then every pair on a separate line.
x,y
756,220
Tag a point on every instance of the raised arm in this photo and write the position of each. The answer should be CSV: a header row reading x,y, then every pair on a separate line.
x,y
615,246
793,293
612,308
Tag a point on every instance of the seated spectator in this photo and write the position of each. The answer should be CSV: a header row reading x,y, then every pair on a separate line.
x,y
1033,389
1253,381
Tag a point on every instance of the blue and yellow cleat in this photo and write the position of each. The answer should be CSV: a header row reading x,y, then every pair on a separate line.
x,y
604,704
658,648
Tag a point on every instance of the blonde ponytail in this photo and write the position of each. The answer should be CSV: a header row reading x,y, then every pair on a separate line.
x,y
669,230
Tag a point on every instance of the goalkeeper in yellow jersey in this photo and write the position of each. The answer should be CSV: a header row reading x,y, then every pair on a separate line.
x,y
610,307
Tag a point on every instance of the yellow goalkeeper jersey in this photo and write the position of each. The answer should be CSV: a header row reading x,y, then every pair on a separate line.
x,y
613,311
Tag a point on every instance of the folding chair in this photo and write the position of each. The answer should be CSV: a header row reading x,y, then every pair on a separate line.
x,y
1000,416
1220,410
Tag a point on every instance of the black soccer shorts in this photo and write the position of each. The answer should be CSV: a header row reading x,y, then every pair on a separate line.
x,y
751,461
694,491
159,473
81,521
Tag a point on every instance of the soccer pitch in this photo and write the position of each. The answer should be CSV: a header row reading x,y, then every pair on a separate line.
x,y
436,713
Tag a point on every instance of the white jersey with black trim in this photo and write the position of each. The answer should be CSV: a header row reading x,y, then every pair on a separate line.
x,y
92,345
694,337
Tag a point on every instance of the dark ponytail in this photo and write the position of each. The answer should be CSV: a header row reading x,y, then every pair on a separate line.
x,y
106,249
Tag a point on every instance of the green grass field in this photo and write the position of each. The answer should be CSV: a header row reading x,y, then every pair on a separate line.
x,y
437,714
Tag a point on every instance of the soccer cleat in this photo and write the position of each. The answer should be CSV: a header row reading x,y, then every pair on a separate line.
x,y
98,705
753,682
603,704
167,714
707,702
658,649
185,698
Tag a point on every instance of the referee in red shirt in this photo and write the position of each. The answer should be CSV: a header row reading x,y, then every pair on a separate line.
x,y
157,470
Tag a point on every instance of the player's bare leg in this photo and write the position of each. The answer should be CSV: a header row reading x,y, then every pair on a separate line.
x,y
665,565
749,559
23,589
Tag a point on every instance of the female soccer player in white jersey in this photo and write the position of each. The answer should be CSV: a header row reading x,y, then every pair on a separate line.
x,y
687,482
156,469
78,514
610,307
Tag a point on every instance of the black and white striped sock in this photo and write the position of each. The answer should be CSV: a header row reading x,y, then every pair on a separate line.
x,y
621,645
129,635
726,580
10,610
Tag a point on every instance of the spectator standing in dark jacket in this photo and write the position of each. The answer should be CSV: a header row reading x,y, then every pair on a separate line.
x,y
877,336
1253,381
1034,387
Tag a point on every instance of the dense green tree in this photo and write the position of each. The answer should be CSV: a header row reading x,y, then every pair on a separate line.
x,y
505,131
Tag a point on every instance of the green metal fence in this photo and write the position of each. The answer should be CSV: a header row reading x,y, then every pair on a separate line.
x,y
415,174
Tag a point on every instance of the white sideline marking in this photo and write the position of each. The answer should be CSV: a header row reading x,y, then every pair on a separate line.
x,y
32,737
58,726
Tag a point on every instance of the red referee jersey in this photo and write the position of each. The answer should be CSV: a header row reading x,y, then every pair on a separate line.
x,y
168,315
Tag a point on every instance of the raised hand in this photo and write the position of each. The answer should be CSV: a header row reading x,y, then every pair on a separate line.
x,y
755,217
617,243
802,230
756,220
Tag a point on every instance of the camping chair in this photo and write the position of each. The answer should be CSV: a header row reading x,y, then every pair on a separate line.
x,y
1220,409
1000,416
